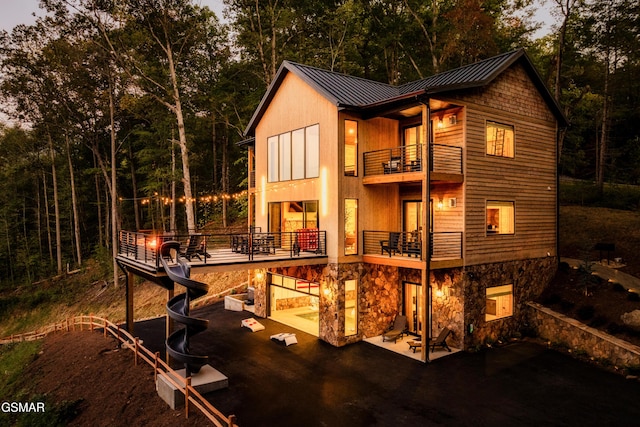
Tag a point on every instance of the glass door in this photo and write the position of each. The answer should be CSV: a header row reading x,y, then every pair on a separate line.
x,y
412,307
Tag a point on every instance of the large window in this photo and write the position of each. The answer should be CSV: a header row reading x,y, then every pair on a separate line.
x,y
500,140
350,148
500,217
294,155
499,302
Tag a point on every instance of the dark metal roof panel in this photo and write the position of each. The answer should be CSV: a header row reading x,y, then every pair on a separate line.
x,y
344,90
476,74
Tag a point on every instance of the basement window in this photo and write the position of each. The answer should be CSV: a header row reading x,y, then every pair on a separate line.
x,y
499,302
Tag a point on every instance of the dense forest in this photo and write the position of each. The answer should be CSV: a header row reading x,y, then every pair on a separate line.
x,y
127,114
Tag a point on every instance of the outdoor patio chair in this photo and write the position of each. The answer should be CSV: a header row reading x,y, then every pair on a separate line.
x,y
441,340
392,166
390,245
194,247
397,330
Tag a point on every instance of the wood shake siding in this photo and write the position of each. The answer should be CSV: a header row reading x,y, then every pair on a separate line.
x,y
528,179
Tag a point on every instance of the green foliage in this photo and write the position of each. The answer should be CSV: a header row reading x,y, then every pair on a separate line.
x,y
587,193
14,358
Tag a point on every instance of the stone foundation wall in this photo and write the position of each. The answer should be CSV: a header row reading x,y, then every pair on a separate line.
x,y
447,304
528,277
560,329
380,298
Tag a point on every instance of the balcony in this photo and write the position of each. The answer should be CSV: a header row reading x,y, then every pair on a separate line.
x,y
404,164
225,251
404,249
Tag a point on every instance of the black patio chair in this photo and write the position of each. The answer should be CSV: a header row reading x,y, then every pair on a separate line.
x,y
390,245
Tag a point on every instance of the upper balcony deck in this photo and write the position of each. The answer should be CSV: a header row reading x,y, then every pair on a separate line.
x,y
225,251
404,164
404,249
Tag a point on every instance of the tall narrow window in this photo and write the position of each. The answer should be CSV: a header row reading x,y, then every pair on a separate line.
x,y
350,226
500,140
350,148
312,142
350,307
297,153
285,156
500,217
272,154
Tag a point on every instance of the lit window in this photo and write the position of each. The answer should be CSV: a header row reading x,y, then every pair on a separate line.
x,y
350,226
285,156
350,307
350,148
294,155
499,302
500,217
312,148
272,153
500,140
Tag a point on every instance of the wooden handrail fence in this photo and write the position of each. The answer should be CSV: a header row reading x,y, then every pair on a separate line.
x,y
160,367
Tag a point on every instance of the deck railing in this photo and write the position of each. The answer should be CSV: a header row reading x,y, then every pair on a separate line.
x,y
443,246
403,159
225,248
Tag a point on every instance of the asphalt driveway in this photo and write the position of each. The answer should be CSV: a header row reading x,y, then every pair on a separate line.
x,y
315,384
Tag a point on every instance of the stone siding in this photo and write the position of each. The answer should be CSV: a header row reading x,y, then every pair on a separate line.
x,y
380,298
528,277
447,304
560,329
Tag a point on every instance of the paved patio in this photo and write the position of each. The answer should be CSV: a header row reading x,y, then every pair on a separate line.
x,y
315,384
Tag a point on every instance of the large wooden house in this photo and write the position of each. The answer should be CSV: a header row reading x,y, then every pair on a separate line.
x,y
438,199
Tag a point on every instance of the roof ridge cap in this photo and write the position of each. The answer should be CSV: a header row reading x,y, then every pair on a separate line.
x,y
342,74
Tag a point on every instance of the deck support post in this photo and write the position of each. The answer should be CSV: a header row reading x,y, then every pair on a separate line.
x,y
129,286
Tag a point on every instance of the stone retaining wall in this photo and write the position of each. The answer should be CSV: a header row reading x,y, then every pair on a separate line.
x,y
560,329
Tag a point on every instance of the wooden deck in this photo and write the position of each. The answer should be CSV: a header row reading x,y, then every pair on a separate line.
x,y
224,252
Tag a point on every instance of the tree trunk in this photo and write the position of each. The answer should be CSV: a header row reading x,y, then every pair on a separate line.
x,y
134,188
74,204
101,238
172,211
47,216
114,195
225,177
56,205
603,130
184,151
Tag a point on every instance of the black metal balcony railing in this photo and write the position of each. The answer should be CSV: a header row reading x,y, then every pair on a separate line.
x,y
393,160
444,159
252,179
443,246
225,248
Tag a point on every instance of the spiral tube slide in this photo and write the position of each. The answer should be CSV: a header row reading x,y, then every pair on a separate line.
x,y
177,343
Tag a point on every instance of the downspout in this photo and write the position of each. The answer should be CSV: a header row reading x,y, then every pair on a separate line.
x,y
426,233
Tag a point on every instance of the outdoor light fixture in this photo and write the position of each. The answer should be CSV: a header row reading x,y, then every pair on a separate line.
x,y
453,119
440,205
259,275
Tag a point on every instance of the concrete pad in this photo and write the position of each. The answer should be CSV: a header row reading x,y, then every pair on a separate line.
x,y
207,380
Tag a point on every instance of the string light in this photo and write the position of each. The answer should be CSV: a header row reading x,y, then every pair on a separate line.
x,y
202,199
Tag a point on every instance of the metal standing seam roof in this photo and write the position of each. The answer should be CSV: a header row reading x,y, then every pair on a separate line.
x,y
356,92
